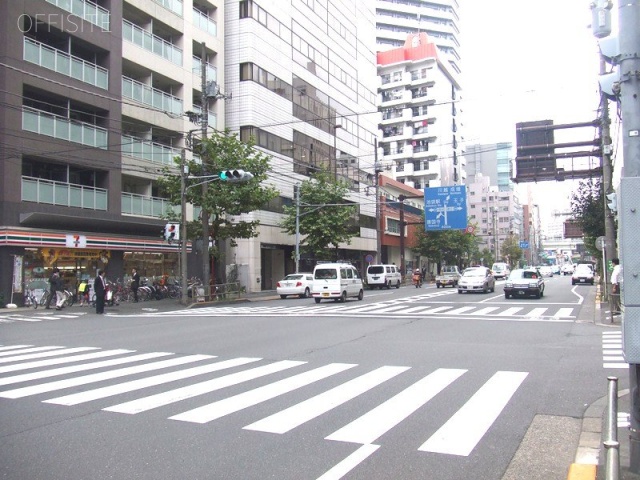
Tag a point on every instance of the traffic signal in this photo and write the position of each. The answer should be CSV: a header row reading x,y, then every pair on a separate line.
x,y
171,232
235,176
612,202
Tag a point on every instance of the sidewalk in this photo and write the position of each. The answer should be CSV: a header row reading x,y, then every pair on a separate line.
x,y
591,438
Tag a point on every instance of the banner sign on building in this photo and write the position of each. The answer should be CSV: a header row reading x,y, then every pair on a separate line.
x,y
445,208
17,273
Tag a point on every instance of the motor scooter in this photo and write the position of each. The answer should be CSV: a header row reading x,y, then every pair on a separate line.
x,y
417,280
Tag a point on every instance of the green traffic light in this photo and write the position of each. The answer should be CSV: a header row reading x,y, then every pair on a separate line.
x,y
223,176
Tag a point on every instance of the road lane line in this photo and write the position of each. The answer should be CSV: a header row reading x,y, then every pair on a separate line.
x,y
296,415
98,377
215,410
467,426
437,310
345,466
178,394
460,310
82,397
564,312
485,311
373,424
54,353
13,347
537,312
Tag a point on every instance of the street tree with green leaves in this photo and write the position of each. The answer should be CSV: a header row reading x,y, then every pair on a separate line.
x,y
325,219
510,250
587,205
449,247
222,151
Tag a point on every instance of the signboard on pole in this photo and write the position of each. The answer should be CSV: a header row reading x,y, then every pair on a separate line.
x,y
524,244
445,208
17,273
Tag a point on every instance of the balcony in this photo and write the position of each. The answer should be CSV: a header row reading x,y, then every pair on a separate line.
x,y
61,62
51,125
147,150
39,190
174,6
212,118
150,42
140,205
202,21
196,67
151,96
86,10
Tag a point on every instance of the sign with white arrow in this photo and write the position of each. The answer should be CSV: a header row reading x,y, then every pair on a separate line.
x,y
445,208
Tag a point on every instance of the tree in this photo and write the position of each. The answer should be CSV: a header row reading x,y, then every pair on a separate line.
x,y
587,205
510,249
223,151
325,220
446,246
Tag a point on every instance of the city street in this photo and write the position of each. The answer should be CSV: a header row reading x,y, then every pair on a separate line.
x,y
407,383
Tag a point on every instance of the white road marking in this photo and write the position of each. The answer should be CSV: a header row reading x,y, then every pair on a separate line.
x,y
172,396
345,466
133,385
463,431
296,415
57,361
215,410
387,415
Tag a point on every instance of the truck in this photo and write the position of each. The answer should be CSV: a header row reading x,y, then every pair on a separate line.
x,y
449,275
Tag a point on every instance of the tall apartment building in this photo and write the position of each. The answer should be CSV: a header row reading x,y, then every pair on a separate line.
x,y
439,19
419,137
303,79
93,97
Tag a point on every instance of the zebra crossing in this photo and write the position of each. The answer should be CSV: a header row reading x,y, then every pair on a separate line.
x,y
41,316
48,372
612,350
400,308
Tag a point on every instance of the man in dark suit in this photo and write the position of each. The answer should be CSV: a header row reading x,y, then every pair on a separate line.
x,y
99,288
135,284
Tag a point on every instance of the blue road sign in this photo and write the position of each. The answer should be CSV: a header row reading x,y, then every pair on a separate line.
x,y
445,208
524,244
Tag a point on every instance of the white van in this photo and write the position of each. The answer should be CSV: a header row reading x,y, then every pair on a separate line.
x,y
336,281
500,270
383,276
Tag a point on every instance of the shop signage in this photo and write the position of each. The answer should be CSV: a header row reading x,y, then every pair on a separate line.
x,y
17,273
51,255
76,241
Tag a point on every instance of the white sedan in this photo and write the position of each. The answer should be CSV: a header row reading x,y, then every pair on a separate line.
x,y
295,284
582,274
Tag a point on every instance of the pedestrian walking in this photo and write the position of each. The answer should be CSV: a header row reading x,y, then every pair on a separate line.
x,y
59,286
52,287
100,289
83,293
616,278
135,283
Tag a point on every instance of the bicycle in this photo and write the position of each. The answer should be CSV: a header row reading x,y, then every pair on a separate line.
x,y
30,299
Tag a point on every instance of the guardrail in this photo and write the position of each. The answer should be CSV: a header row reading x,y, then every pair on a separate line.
x,y
610,442
216,293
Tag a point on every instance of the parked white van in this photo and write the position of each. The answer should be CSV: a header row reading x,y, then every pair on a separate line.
x,y
500,270
383,276
336,281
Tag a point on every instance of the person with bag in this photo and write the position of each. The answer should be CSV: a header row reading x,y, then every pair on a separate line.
x,y
616,277
100,289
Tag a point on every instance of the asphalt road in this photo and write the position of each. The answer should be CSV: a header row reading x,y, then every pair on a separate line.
x,y
405,384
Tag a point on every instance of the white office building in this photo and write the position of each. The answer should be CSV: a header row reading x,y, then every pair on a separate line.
x,y
303,81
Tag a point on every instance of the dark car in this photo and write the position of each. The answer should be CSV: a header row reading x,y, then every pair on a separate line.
x,y
524,282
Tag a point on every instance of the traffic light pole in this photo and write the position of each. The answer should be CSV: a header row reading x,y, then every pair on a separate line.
x,y
183,229
629,64
204,123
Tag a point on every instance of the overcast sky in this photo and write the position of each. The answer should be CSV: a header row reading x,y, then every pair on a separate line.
x,y
526,60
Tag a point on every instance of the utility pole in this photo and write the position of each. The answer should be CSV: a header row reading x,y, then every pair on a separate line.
x,y
602,28
376,167
296,194
402,198
183,228
629,211
204,123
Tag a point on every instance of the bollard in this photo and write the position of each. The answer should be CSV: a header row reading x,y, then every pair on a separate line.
x,y
611,444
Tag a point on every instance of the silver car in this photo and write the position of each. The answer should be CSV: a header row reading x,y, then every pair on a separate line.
x,y
478,279
298,284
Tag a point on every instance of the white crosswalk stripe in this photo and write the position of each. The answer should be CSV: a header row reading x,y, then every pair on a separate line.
x,y
612,350
390,308
458,435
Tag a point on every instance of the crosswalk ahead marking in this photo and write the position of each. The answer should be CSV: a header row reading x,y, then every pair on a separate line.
x,y
38,317
454,437
612,350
